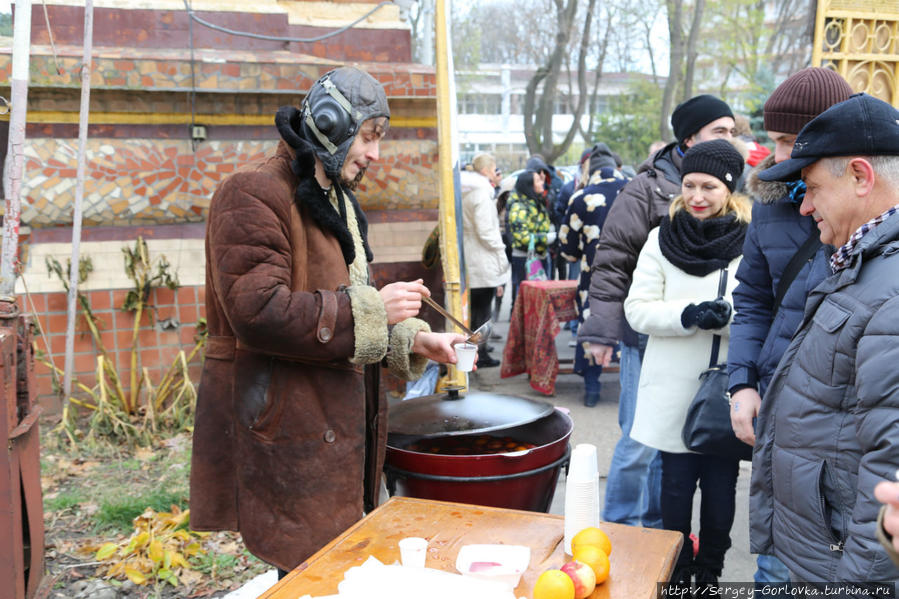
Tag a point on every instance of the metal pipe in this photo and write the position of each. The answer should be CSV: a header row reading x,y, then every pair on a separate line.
x,y
83,115
21,63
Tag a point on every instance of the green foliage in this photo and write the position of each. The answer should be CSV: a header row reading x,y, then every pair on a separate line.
x,y
629,126
64,501
210,563
6,25
118,513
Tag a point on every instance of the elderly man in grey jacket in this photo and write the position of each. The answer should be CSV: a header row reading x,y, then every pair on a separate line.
x,y
829,425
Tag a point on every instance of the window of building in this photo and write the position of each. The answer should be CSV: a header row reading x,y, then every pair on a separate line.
x,y
479,104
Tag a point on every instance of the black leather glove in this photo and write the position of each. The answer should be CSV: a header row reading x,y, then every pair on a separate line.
x,y
707,315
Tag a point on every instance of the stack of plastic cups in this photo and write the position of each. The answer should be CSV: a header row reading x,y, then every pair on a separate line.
x,y
581,492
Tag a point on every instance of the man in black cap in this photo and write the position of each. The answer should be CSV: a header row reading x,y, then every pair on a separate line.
x,y
290,428
632,491
828,428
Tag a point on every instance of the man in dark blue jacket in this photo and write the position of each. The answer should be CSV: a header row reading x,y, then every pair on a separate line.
x,y
761,331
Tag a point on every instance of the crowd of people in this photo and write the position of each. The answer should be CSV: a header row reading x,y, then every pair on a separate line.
x,y
782,259
786,266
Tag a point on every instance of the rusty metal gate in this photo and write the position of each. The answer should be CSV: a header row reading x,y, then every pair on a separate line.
x,y
859,39
21,508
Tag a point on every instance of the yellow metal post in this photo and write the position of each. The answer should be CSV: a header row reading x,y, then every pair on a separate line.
x,y
449,247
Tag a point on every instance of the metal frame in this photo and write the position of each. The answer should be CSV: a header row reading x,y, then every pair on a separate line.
x,y
859,39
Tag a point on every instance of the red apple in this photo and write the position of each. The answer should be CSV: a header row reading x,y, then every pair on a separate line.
x,y
583,577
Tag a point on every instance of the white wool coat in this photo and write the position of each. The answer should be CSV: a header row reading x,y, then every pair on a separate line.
x,y
486,264
675,356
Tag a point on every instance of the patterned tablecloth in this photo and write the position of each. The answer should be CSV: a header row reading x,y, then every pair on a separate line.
x,y
531,345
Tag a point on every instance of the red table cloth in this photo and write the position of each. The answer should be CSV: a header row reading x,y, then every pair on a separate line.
x,y
531,345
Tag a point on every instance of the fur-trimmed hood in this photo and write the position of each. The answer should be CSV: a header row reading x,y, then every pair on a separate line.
x,y
765,192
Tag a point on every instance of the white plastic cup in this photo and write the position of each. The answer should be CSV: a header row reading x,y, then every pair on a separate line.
x,y
465,353
413,551
581,493
583,463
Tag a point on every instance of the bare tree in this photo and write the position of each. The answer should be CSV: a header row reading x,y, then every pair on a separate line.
x,y
754,42
538,110
676,47
682,57
698,9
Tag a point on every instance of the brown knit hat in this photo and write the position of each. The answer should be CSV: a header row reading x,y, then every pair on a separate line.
x,y
802,97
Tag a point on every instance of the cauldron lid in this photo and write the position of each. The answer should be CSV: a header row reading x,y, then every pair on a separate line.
x,y
474,412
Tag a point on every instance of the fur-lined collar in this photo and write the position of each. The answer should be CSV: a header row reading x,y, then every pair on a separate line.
x,y
765,192
309,193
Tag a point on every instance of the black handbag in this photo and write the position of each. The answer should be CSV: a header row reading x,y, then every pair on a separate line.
x,y
707,428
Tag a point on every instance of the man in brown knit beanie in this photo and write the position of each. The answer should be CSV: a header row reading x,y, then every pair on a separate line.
x,y
783,260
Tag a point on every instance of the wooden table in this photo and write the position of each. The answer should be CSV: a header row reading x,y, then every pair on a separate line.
x,y
640,558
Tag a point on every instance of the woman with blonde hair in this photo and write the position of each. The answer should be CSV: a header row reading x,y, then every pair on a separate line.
x,y
486,265
675,299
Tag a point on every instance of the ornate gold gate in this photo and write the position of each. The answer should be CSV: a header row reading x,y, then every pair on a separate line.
x,y
859,39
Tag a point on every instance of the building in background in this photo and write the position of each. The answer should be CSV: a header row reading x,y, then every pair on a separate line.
x,y
490,102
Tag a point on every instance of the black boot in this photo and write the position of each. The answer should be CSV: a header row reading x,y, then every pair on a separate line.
x,y
681,583
485,360
706,581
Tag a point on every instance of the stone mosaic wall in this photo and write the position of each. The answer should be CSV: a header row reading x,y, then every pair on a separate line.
x,y
163,181
160,69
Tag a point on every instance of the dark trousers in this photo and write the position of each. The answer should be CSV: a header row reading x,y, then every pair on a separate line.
x,y
717,477
519,273
481,309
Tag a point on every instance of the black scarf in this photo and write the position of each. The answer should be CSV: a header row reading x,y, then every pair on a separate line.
x,y
699,247
310,194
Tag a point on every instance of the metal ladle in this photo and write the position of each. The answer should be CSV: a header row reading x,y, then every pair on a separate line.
x,y
478,336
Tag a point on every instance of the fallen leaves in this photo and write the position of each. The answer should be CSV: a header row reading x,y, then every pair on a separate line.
x,y
157,551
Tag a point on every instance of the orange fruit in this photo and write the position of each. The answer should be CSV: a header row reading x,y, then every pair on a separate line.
x,y
592,536
554,584
596,558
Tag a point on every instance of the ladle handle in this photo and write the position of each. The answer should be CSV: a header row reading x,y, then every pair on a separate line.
x,y
446,315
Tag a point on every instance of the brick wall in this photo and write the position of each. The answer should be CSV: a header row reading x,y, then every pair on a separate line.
x,y
159,346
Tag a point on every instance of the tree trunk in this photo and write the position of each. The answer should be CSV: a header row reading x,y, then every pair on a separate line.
x,y
675,63
687,90
538,112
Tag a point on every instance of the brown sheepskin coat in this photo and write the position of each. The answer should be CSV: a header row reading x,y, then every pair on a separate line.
x,y
290,423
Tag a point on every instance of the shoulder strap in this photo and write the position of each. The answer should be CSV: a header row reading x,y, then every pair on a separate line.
x,y
716,339
802,255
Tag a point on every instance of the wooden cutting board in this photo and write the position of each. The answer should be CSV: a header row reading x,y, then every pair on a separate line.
x,y
641,557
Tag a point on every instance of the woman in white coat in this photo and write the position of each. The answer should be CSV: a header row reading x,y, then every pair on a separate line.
x,y
486,265
674,299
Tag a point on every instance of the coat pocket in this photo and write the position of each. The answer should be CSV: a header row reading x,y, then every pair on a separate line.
x,y
818,354
253,398
801,496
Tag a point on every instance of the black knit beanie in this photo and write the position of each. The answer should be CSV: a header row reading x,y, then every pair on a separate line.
x,y
718,158
697,112
802,97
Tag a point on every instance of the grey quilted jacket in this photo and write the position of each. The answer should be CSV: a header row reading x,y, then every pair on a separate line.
x,y
828,429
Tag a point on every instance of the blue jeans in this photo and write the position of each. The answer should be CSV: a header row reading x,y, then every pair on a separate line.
x,y
770,572
633,489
